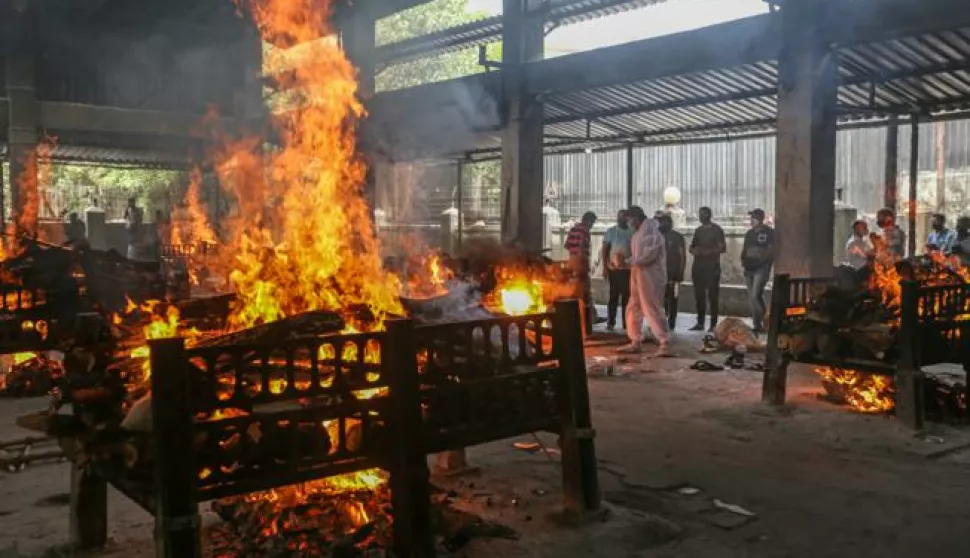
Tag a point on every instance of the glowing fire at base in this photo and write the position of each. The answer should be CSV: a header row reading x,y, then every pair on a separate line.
x,y
866,393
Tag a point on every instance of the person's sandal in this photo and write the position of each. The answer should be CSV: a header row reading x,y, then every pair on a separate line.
x,y
705,366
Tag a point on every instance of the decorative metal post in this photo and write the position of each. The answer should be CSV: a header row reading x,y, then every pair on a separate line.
x,y
177,532
410,486
775,382
579,467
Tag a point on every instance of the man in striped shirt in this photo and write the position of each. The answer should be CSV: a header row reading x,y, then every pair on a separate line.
x,y
578,243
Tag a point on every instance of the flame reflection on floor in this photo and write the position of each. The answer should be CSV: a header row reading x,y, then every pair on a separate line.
x,y
866,393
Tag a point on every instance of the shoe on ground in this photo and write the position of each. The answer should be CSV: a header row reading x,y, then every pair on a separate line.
x,y
759,331
610,328
631,349
697,327
662,351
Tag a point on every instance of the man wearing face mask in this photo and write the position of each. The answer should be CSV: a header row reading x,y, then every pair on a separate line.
x,y
757,257
648,278
893,239
676,263
707,245
941,239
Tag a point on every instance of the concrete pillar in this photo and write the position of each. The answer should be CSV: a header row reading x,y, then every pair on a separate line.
x,y
522,172
97,228
890,192
22,117
805,178
359,42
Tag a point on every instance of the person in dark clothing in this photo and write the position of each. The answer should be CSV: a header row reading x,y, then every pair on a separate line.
x,y
676,264
757,257
706,246
616,250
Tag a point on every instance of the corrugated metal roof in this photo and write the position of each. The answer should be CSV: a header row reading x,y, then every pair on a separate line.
x,y
922,74
114,157
489,30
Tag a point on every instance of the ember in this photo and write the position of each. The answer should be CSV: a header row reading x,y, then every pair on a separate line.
x,y
866,393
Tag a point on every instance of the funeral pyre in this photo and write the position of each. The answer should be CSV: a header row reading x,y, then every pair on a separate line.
x,y
856,318
302,261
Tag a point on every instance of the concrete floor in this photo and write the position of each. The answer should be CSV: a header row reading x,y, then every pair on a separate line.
x,y
822,481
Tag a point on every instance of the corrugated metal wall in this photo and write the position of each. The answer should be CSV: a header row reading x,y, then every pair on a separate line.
x,y
731,177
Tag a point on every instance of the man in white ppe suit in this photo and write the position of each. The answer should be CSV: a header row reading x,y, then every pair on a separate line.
x,y
648,278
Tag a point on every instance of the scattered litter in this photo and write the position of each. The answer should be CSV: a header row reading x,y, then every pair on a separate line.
x,y
755,367
733,508
934,439
539,492
706,366
530,447
688,490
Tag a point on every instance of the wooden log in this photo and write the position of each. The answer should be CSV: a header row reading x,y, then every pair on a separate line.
x,y
305,325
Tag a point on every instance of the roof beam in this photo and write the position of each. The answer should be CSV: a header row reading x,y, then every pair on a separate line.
x,y
869,21
726,45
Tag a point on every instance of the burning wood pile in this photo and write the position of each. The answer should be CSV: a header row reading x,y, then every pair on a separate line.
x,y
28,374
299,399
858,315
862,326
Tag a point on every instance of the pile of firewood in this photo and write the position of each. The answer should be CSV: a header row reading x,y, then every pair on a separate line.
x,y
31,378
842,322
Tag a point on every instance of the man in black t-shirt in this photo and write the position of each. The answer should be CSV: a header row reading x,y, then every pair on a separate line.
x,y
676,262
757,257
707,245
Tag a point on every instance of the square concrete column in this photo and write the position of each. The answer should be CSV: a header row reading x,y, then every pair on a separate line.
x,y
807,117
22,117
522,163
359,41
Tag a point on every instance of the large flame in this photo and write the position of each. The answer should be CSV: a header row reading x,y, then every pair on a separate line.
x,y
303,239
867,393
37,173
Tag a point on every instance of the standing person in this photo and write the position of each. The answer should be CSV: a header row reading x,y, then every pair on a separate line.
x,y
757,258
859,247
940,239
676,248
893,237
706,246
648,278
616,250
578,243
962,246
133,224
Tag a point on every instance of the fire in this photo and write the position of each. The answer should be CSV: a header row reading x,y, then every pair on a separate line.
x,y
867,393
37,173
304,239
429,278
162,324
521,296
521,291
20,358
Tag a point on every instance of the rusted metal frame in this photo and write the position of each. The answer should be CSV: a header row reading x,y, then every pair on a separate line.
x,y
775,383
580,474
910,405
407,464
177,521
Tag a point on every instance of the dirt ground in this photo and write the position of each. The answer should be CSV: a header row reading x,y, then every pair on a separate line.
x,y
821,481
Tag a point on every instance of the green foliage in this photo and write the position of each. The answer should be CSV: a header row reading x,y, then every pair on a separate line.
x,y
77,185
421,20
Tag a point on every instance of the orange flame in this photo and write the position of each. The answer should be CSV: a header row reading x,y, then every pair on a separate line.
x,y
304,239
194,228
866,393
37,173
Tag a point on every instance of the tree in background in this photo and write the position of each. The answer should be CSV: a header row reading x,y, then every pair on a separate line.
x,y
422,20
481,181
75,187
